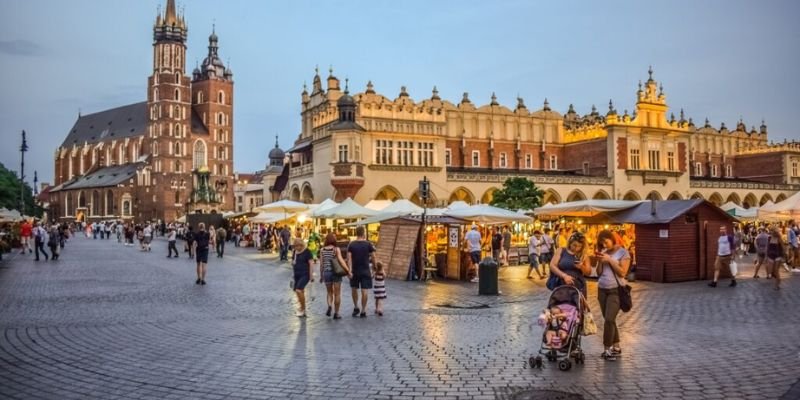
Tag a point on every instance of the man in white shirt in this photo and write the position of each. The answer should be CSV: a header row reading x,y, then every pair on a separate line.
x,y
473,239
148,236
724,256
535,244
40,238
171,237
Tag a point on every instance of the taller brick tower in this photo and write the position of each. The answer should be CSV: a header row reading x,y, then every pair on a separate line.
x,y
169,138
212,101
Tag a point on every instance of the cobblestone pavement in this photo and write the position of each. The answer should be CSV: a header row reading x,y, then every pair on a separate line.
x,y
107,322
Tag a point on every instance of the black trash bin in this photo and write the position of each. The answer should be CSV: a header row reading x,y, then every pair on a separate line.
x,y
487,276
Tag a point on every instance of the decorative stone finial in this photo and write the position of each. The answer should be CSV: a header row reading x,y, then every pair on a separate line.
x,y
571,109
546,105
465,98
707,125
520,102
435,93
403,92
346,85
369,87
494,100
650,73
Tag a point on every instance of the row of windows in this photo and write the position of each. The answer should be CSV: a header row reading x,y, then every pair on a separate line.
x,y
653,160
406,153
714,170
177,96
179,166
502,159
401,127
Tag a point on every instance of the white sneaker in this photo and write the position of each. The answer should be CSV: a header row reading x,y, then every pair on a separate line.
x,y
786,267
796,269
474,280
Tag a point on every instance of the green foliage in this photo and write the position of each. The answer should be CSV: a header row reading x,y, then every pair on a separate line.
x,y
516,194
9,193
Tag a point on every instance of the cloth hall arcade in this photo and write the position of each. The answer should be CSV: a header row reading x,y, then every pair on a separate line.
x,y
368,146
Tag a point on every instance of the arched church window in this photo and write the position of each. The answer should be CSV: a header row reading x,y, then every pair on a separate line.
x,y
221,97
199,154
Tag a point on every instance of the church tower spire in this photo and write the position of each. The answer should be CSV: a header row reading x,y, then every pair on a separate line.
x,y
169,41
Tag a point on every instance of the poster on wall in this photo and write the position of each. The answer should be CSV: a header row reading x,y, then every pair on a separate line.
x,y
453,236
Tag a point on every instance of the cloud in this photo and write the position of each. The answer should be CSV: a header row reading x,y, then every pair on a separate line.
x,y
20,48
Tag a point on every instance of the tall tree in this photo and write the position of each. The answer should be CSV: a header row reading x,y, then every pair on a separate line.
x,y
518,194
9,193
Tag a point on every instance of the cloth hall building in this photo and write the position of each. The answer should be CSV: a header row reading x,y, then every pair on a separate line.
x,y
160,158
368,146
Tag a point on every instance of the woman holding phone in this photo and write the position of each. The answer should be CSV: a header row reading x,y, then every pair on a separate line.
x,y
614,264
571,263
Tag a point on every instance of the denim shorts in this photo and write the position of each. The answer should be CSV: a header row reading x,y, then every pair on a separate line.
x,y
361,282
330,277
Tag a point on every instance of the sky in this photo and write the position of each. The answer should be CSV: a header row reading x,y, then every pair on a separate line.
x,y
719,59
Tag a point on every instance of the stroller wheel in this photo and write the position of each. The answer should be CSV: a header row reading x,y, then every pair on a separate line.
x,y
532,362
539,362
564,365
581,358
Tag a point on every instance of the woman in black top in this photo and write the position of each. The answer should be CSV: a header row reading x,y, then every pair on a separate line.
x,y
303,261
201,242
775,256
571,263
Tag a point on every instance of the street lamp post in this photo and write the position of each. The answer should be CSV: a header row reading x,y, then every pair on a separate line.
x,y
22,149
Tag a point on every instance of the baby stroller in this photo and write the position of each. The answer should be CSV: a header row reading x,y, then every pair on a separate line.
x,y
567,297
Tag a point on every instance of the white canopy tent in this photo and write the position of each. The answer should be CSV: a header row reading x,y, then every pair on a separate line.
x,y
584,208
487,214
348,209
738,211
378,205
326,204
787,209
271,218
9,215
283,206
457,204
403,206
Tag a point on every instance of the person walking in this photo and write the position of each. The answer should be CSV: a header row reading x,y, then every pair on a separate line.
x,y
26,233
761,242
285,236
53,242
547,251
40,238
775,256
794,247
189,238
571,263
379,288
147,236
333,282
473,241
172,237
497,244
361,259
535,244
614,264
222,234
212,238
201,242
506,245
725,248
302,267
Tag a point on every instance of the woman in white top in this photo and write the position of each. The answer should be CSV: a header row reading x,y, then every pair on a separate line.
x,y
614,264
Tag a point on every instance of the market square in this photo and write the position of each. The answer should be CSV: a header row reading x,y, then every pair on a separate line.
x,y
414,200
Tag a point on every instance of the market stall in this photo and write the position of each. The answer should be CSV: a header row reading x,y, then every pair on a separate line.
x,y
675,239
788,209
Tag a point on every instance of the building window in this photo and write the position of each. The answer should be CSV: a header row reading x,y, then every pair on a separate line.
x,y
671,161
553,162
342,153
698,169
155,94
200,97
177,95
199,154
476,158
383,152
425,154
586,168
447,157
221,97
177,150
794,169
503,160
126,208
528,161
654,159
635,163
729,171
714,171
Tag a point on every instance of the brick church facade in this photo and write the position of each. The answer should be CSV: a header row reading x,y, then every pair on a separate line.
x,y
143,161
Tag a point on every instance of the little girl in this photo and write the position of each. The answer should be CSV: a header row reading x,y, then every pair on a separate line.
x,y
379,288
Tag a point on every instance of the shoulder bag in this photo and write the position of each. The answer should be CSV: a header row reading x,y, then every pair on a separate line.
x,y
553,281
336,266
625,300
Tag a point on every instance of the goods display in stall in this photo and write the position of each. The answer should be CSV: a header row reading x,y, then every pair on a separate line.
x,y
781,211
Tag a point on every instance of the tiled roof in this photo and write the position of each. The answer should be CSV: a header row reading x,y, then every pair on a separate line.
x,y
105,177
116,123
